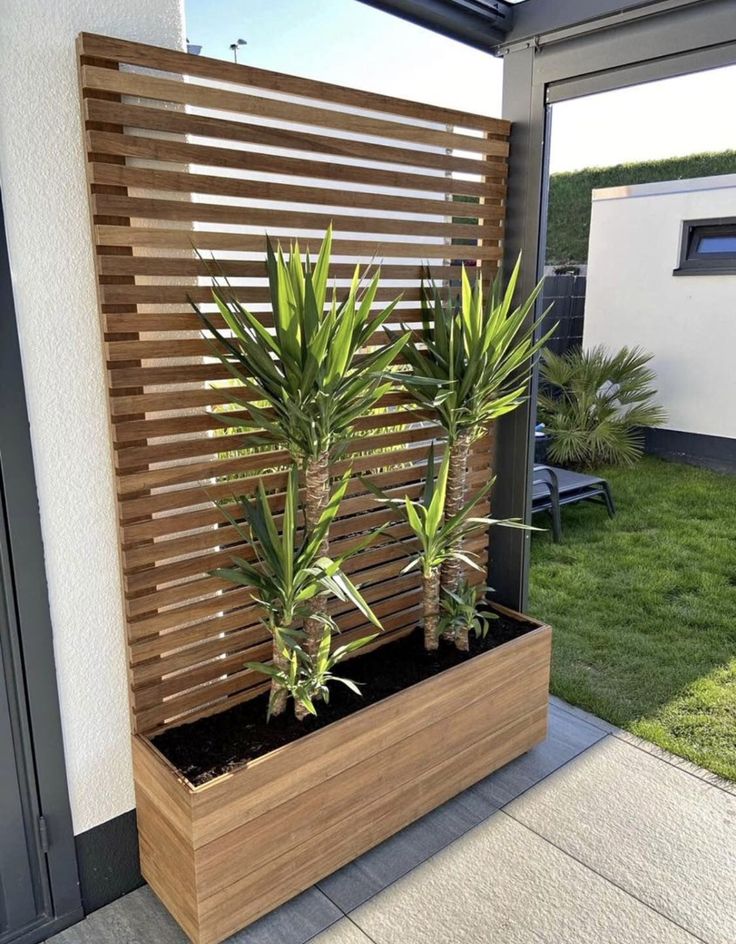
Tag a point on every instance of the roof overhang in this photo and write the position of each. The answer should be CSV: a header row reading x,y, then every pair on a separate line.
x,y
498,26
483,24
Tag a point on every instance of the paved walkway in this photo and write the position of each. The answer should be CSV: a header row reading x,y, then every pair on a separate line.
x,y
594,837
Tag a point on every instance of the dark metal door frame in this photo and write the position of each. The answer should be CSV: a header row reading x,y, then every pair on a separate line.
x,y
30,643
651,40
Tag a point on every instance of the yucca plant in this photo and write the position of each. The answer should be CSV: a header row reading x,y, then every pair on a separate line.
x,y
439,538
460,612
471,362
287,574
306,678
594,405
307,371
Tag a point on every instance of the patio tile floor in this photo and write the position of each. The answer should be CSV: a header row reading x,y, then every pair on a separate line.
x,y
587,839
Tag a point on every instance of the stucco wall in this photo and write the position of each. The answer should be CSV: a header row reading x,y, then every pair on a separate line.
x,y
44,194
687,322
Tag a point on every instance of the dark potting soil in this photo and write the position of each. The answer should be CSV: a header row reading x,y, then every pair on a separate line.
x,y
219,743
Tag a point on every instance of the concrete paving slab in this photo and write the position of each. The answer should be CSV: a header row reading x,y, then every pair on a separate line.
x,y
661,834
728,785
568,736
378,868
501,883
617,845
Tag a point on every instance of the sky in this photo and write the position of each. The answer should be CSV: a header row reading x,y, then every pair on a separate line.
x,y
347,42
671,118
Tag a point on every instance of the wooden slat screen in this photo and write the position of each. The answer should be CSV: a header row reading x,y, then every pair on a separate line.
x,y
185,152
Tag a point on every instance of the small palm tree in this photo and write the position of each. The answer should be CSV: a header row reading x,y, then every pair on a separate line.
x,y
471,363
286,575
440,538
594,405
307,372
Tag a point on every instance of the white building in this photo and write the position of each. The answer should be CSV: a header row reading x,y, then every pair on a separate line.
x,y
662,275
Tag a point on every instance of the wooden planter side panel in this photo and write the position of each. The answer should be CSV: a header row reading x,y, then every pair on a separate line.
x,y
213,163
272,780
416,750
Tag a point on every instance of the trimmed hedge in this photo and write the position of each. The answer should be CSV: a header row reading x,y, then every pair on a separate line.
x,y
568,223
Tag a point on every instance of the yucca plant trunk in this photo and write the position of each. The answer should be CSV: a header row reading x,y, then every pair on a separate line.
x,y
431,608
316,499
279,696
457,487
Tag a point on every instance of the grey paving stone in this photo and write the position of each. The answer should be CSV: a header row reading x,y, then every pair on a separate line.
x,y
293,923
568,736
583,715
503,884
139,918
656,831
377,869
344,932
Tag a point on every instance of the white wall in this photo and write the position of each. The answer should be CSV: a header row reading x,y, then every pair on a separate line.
x,y
42,179
687,322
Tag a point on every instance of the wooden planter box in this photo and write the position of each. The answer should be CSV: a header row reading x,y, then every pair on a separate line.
x,y
223,854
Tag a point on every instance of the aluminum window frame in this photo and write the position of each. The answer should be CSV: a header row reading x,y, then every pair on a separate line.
x,y
692,262
619,45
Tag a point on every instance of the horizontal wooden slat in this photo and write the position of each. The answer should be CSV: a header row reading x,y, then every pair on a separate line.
x,y
185,400
221,99
178,647
161,119
241,242
406,617
117,322
202,351
161,610
264,190
170,60
141,506
158,149
417,185
249,295
234,268
197,211
192,342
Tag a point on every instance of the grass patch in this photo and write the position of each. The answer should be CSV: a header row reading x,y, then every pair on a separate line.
x,y
643,608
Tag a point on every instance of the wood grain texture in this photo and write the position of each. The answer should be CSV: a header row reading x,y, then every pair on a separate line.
x,y
253,838
170,60
228,157
293,112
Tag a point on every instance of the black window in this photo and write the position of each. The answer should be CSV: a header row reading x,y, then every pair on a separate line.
x,y
708,247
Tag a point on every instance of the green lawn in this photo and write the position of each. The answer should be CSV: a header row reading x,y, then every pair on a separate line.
x,y
643,609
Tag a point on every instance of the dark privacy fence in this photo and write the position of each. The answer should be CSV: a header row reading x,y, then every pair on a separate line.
x,y
566,294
